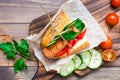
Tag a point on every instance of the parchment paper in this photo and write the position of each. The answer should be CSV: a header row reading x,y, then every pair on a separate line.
x,y
74,9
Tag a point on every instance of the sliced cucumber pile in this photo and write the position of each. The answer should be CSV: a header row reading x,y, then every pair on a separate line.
x,y
90,58
96,59
77,60
67,69
86,56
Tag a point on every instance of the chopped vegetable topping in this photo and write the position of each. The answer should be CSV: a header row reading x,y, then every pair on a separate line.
x,y
68,33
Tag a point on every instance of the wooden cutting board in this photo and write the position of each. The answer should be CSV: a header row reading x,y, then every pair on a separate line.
x,y
99,10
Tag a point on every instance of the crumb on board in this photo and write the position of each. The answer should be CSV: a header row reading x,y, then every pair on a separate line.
x,y
5,38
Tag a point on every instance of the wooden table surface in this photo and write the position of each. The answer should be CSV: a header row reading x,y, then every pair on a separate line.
x,y
15,17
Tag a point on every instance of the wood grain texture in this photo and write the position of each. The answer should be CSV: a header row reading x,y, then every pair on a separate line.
x,y
6,73
23,11
104,73
99,13
16,15
17,31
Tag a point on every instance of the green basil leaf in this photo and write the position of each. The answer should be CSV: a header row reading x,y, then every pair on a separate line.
x,y
24,48
11,56
69,35
70,24
19,65
7,48
24,52
24,44
79,25
16,45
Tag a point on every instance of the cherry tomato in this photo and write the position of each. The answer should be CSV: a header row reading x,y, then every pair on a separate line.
x,y
109,55
107,44
115,3
112,19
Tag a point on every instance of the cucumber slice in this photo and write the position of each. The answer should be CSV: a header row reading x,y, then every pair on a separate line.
x,y
96,59
77,61
86,57
67,69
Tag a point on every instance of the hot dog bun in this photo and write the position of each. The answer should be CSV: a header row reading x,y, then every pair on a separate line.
x,y
50,52
60,22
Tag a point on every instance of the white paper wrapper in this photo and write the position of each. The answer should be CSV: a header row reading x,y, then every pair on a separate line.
x,y
74,9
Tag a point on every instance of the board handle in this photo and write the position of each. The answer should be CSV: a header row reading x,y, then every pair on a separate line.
x,y
83,72
42,74
45,76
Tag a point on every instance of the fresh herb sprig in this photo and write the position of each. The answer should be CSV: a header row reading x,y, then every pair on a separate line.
x,y
11,49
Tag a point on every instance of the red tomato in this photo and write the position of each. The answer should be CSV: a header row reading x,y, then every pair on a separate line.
x,y
109,55
81,35
115,3
112,19
66,49
61,53
75,40
107,44
71,42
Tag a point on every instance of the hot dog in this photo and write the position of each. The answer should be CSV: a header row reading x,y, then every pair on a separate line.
x,y
67,37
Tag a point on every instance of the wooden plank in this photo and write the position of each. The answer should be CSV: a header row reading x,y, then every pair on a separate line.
x,y
23,11
104,73
18,31
33,9
6,73
100,8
